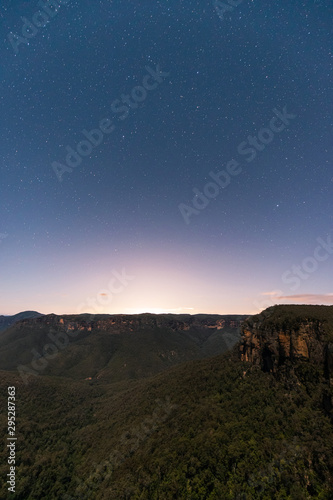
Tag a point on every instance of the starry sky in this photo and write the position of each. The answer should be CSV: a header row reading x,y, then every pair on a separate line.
x,y
195,196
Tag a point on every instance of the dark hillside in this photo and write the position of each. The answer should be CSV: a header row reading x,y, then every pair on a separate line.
x,y
218,428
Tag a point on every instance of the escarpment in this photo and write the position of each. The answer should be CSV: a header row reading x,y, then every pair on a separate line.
x,y
295,344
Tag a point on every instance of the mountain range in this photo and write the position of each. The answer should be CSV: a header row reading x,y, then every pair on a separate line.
x,y
7,321
254,422
113,347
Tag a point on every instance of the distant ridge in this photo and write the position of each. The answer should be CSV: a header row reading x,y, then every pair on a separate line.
x,y
253,423
114,347
7,321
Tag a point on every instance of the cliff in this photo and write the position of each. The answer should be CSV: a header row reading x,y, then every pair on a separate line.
x,y
114,347
291,341
130,323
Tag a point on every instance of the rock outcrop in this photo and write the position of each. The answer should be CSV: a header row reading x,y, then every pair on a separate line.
x,y
116,347
270,346
131,323
285,339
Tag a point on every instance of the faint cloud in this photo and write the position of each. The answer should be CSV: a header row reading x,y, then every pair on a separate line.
x,y
309,298
158,310
298,273
117,284
274,293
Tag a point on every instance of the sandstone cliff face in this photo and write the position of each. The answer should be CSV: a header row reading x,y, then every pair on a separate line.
x,y
269,347
115,347
120,322
282,344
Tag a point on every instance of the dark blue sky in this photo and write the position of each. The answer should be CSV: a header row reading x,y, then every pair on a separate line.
x,y
123,205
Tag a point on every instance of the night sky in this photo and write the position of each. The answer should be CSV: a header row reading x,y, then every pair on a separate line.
x,y
196,196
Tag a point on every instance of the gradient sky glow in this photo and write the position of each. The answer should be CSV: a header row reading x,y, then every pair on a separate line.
x,y
62,242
